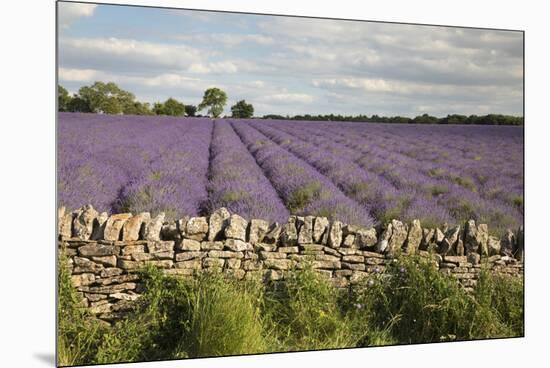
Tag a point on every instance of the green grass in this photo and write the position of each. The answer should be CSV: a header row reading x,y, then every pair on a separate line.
x,y
213,314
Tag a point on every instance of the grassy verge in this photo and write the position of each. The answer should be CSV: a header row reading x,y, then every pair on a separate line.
x,y
214,314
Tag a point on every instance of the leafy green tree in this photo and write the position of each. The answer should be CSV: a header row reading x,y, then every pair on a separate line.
x,y
170,107
173,107
242,110
107,97
214,99
63,98
190,110
78,104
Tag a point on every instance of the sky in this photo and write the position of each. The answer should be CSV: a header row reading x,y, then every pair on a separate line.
x,y
291,65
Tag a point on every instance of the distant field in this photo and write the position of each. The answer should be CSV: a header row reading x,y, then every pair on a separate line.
x,y
360,173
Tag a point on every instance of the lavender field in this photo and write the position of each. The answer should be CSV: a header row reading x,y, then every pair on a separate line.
x,y
360,173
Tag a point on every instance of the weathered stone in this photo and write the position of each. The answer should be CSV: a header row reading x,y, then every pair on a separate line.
x,y
353,266
99,228
273,234
471,244
118,279
482,239
258,229
272,255
236,228
114,224
152,227
331,251
306,248
84,265
83,224
95,297
414,237
452,235
189,245
213,262
65,226
438,236
335,234
278,264
252,265
108,261
474,258
273,275
110,289
383,241
185,256
358,276
111,271
124,296
225,254
194,264
83,279
131,249
455,259
326,257
211,245
235,272
288,250
508,244
160,246
493,246
320,227
135,226
197,228
289,233
349,241
217,223
353,259
305,236
331,265
233,263
365,238
398,236
98,250
460,247
427,238
444,247
237,245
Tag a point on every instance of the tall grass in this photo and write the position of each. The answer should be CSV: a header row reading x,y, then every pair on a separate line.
x,y
213,314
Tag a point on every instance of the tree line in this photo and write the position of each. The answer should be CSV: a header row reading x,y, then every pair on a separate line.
x,y
108,98
490,119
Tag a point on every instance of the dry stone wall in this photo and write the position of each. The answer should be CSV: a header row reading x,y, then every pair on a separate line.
x,y
104,252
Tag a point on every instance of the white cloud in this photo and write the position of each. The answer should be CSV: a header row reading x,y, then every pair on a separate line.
x,y
127,54
78,75
69,12
288,98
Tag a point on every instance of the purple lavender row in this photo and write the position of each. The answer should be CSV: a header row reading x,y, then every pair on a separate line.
x,y
461,202
304,190
384,200
175,181
494,176
237,182
99,154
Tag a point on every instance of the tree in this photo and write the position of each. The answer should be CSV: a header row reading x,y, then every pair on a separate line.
x,y
173,107
63,98
107,98
190,110
215,99
170,107
242,110
78,104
